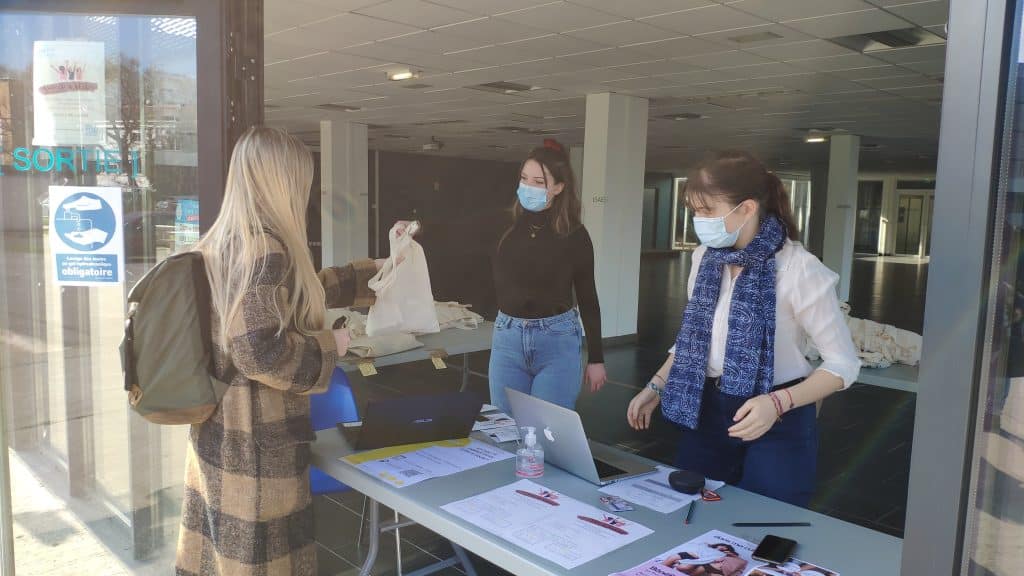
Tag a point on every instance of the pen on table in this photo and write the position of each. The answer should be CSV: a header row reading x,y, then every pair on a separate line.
x,y
769,524
689,512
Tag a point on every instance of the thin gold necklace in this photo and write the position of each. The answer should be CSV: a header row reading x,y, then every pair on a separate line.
x,y
534,228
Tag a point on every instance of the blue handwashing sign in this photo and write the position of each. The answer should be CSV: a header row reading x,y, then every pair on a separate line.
x,y
86,239
85,222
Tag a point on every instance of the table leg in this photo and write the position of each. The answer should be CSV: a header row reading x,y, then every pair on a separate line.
x,y
374,548
467,564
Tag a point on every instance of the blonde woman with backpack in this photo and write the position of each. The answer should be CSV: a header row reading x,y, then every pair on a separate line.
x,y
247,506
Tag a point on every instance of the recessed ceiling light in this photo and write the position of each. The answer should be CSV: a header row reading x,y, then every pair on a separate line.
x,y
401,75
815,138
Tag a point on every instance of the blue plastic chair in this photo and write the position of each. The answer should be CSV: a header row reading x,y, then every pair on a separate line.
x,y
326,411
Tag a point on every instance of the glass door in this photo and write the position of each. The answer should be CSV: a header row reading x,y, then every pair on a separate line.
x,y
98,182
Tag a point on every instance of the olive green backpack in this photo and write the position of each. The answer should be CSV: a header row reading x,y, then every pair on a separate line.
x,y
167,351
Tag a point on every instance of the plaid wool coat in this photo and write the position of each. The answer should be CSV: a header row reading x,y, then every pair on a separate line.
x,y
247,507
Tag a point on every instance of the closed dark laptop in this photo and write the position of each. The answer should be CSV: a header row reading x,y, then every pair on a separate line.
x,y
414,419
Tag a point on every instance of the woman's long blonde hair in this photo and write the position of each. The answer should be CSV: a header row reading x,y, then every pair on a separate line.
x,y
267,191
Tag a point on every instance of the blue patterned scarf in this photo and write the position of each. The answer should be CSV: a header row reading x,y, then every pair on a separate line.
x,y
750,346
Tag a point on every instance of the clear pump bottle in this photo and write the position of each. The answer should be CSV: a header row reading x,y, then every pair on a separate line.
x,y
530,458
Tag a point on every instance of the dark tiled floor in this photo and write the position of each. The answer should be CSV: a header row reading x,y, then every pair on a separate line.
x,y
866,432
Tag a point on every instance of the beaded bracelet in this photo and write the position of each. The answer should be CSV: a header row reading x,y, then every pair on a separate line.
x,y
791,403
778,404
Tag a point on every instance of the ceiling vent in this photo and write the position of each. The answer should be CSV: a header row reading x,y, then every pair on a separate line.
x,y
889,39
420,86
503,87
758,37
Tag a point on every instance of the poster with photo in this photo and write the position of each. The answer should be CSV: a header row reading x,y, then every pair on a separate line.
x,y
68,93
719,554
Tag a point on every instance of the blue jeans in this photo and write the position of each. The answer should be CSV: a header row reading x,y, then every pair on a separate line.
x,y
782,464
542,357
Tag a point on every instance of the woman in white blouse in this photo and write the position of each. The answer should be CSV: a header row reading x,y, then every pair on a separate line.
x,y
736,382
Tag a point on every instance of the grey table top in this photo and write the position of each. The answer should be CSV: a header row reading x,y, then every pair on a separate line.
x,y
897,377
452,342
834,544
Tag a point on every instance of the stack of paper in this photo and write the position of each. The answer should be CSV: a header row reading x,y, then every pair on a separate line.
x,y
499,426
720,553
653,491
557,528
411,464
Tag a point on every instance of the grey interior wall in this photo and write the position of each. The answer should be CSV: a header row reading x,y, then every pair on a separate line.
x,y
662,182
463,206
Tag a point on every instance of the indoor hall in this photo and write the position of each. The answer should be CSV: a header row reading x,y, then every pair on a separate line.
x,y
424,110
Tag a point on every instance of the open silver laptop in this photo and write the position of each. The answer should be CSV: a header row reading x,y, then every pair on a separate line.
x,y
560,433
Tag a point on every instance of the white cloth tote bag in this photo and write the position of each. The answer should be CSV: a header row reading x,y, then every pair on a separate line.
x,y
405,302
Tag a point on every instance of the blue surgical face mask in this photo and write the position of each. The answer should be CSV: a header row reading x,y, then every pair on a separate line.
x,y
532,198
712,232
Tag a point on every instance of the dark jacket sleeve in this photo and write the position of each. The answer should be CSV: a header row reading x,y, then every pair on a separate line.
x,y
586,294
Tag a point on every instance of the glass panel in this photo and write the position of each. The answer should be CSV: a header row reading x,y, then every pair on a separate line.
x,y
995,524
98,182
869,216
800,200
683,234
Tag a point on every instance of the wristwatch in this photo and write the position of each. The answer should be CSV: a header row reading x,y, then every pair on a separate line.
x,y
655,387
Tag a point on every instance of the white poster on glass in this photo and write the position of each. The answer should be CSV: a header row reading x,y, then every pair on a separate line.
x,y
86,238
68,95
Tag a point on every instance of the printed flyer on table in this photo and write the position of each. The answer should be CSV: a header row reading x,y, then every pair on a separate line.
x,y
552,526
720,554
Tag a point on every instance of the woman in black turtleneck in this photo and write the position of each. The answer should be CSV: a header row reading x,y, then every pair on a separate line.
x,y
545,265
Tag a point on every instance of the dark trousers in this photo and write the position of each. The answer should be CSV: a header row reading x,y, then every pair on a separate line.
x,y
782,464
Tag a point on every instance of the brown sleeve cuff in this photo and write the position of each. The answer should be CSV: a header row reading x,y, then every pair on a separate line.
x,y
346,286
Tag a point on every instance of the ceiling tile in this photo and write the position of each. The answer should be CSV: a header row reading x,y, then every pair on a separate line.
x,y
560,17
874,72
642,9
919,93
659,67
933,13
436,42
937,30
638,83
756,36
680,47
327,63
622,33
608,57
698,77
535,68
342,31
280,15
863,22
782,10
930,67
800,50
907,81
915,54
492,31
392,52
766,70
274,51
728,59
832,63
553,45
705,20
417,13
489,7
340,5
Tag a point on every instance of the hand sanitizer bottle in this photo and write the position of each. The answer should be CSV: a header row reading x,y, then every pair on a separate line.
x,y
530,458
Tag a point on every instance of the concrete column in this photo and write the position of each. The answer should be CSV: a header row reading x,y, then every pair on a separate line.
x,y
841,208
576,161
614,157
890,217
344,182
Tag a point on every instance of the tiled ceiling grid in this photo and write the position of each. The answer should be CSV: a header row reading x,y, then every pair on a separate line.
x,y
747,73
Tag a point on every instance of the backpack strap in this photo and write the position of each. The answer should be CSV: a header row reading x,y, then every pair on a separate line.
x,y
204,305
130,373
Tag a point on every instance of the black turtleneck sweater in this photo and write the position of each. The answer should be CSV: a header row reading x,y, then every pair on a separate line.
x,y
536,271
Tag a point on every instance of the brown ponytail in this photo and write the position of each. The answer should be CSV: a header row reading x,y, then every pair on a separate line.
x,y
738,176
